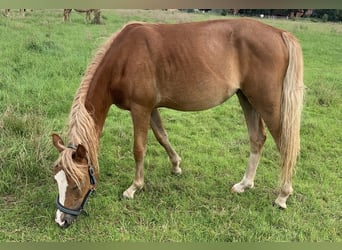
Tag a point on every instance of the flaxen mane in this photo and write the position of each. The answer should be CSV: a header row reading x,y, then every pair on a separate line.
x,y
81,126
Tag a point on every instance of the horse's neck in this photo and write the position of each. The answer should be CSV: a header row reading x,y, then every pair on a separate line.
x,y
91,106
87,117
97,103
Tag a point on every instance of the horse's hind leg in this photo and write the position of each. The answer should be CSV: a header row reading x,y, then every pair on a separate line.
x,y
66,14
161,135
87,18
257,137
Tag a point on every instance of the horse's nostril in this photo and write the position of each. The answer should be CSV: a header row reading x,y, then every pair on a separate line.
x,y
65,224
68,220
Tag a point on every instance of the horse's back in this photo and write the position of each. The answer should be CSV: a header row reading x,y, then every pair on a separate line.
x,y
194,66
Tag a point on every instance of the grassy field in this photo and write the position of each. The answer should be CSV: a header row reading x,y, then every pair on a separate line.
x,y
42,61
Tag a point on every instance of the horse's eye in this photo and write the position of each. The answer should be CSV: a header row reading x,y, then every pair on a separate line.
x,y
55,167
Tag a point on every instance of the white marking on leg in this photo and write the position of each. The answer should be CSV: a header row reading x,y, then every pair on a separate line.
x,y
281,201
248,178
176,160
286,191
129,193
62,183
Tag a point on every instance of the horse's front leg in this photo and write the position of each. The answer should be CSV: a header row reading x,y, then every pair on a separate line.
x,y
141,122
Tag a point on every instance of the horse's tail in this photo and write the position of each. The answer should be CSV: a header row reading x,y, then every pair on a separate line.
x,y
291,107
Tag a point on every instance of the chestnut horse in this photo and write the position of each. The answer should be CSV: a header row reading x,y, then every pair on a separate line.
x,y
186,67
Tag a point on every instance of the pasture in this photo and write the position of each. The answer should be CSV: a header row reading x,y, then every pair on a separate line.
x,y
41,65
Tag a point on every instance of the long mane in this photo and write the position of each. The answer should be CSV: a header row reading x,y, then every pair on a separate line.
x,y
81,126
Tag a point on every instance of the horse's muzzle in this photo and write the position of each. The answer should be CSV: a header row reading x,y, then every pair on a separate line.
x,y
67,221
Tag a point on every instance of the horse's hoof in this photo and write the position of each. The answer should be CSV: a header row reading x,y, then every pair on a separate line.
x,y
122,197
237,188
279,206
176,171
127,195
241,187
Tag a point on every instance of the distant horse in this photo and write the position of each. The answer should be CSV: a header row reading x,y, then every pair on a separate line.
x,y
22,12
187,67
66,14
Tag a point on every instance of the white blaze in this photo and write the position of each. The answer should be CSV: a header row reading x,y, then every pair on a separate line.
x,y
62,183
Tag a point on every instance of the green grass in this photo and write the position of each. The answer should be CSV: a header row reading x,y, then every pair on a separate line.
x,y
42,62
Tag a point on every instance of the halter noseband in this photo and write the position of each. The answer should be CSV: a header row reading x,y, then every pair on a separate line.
x,y
76,212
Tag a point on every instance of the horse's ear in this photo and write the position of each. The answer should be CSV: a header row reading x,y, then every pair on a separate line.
x,y
81,152
58,142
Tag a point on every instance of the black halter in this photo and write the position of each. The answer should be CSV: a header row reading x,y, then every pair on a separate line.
x,y
80,210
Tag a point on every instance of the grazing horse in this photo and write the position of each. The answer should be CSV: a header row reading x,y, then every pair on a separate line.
x,y
186,67
66,14
22,12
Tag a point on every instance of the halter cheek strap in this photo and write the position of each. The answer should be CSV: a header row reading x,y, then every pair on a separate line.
x,y
91,172
90,167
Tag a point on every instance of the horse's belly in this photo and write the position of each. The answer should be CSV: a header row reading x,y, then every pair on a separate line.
x,y
197,99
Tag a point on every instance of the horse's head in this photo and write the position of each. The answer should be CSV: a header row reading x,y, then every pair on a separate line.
x,y
75,178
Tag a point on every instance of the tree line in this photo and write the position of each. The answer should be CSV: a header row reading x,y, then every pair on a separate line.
x,y
332,15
